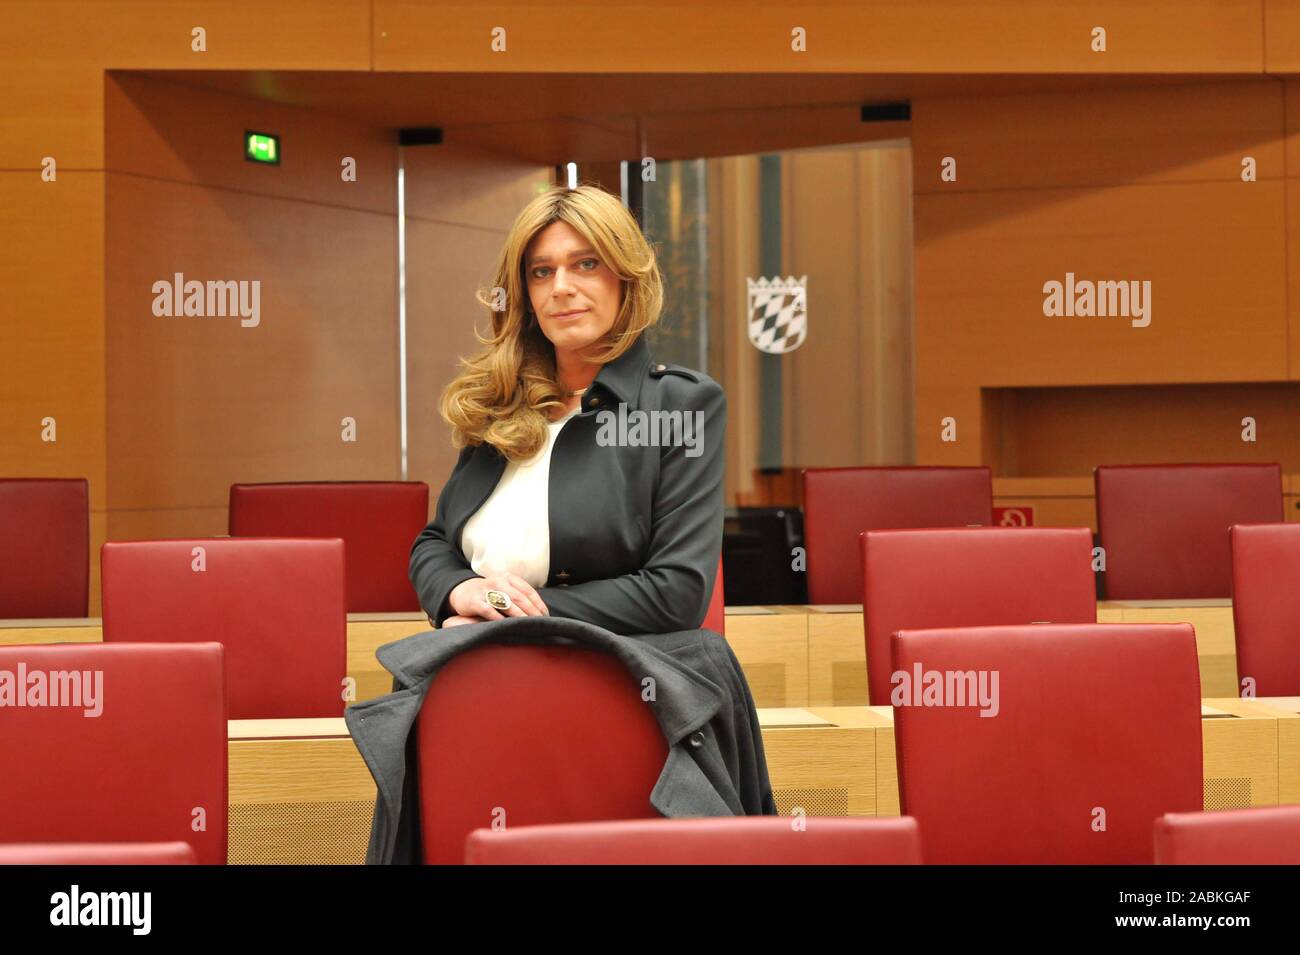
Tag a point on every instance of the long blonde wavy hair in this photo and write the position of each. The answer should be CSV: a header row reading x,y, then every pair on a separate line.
x,y
500,396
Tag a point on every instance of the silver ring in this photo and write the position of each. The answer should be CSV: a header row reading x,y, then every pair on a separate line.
x,y
499,600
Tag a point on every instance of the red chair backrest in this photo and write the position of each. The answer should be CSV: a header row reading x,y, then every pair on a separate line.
x,y
524,735
275,603
44,547
841,503
716,618
1165,526
970,577
1265,835
1096,733
99,853
377,520
150,767
746,840
1266,606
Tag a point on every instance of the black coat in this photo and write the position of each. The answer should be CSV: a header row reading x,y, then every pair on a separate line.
x,y
636,531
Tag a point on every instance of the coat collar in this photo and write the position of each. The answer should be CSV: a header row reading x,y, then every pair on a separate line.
x,y
623,376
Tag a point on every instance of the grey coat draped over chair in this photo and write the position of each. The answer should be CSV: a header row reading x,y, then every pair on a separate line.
x,y
715,764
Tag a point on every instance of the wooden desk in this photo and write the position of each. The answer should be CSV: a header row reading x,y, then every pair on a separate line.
x,y
1287,711
1216,646
820,761
299,793
792,656
366,632
837,665
51,630
770,643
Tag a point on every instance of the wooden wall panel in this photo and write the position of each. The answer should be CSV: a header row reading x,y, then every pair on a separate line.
x,y
55,51
51,109
934,36
51,335
170,523
51,340
1212,251
1292,249
949,424
1126,136
1291,126
460,203
196,404
469,187
1056,431
288,34
549,142
683,133
686,135
443,266
1138,184
173,131
1282,36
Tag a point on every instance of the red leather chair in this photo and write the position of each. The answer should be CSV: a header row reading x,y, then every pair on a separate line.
x,y
841,503
1095,726
745,840
150,767
1267,835
1165,526
44,547
1266,606
276,604
525,735
377,520
99,853
970,577
716,618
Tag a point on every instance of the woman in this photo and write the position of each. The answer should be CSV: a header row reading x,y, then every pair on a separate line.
x,y
590,481
568,498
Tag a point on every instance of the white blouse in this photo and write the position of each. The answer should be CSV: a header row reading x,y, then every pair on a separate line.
x,y
511,532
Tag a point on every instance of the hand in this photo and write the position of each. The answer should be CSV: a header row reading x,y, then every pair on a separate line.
x,y
469,598
459,621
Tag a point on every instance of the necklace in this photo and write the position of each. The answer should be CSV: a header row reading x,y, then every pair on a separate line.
x,y
580,391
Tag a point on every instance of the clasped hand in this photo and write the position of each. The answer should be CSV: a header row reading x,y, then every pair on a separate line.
x,y
469,600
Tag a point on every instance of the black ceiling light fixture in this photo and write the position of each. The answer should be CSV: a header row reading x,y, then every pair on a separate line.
x,y
900,112
420,136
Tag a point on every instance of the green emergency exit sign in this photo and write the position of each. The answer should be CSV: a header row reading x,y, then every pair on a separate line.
x,y
262,147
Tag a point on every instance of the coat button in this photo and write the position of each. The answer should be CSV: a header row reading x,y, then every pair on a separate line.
x,y
660,367
697,739
593,402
